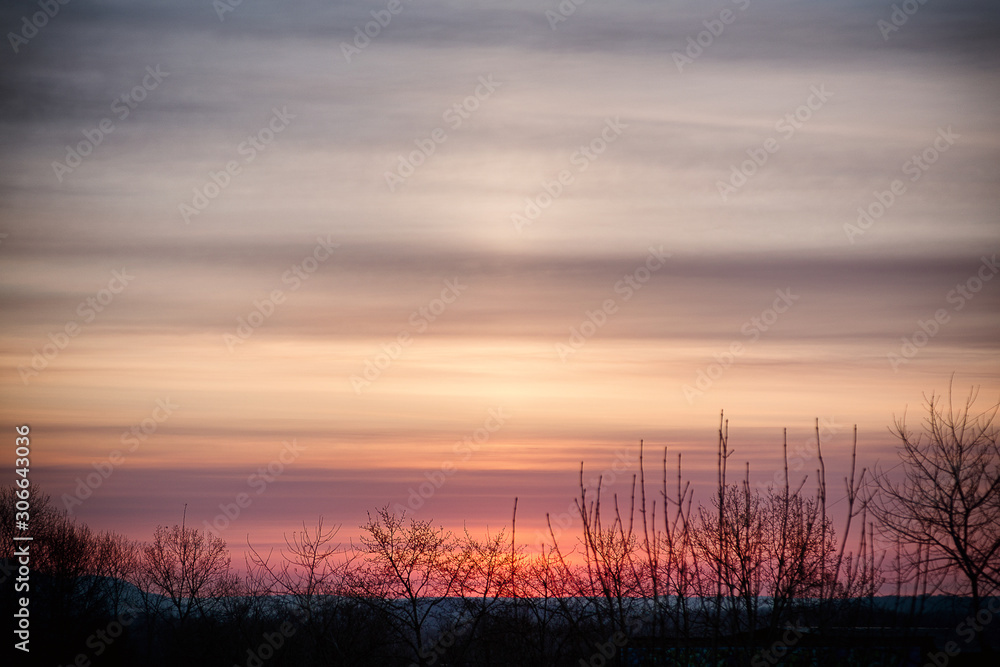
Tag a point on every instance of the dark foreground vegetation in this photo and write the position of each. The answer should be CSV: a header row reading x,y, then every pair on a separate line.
x,y
753,576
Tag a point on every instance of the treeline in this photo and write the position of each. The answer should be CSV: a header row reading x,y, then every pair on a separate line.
x,y
752,576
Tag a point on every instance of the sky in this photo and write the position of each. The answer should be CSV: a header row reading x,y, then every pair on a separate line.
x,y
284,260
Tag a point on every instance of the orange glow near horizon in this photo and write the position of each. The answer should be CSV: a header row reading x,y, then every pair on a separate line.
x,y
509,309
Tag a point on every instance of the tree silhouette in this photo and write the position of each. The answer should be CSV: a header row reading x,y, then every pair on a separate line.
x,y
409,571
313,575
186,567
947,505
657,577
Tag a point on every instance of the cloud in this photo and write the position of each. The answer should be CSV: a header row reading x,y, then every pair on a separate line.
x,y
323,177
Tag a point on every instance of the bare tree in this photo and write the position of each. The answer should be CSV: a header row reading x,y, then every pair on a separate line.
x,y
186,567
545,586
734,543
947,505
44,516
117,561
411,569
313,574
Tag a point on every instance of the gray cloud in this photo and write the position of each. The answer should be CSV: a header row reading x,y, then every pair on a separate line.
x,y
324,176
